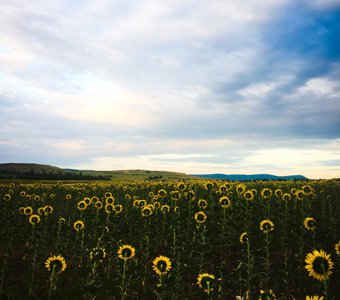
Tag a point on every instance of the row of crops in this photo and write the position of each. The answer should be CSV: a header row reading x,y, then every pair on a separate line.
x,y
170,240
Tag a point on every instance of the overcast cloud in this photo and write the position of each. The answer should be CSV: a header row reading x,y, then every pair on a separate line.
x,y
246,86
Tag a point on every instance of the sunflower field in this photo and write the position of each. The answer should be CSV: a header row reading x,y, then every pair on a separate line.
x,y
194,239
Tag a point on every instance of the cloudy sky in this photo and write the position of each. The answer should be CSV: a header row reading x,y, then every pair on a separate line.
x,y
195,86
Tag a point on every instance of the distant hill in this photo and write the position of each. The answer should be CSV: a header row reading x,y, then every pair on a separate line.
x,y
46,172
242,177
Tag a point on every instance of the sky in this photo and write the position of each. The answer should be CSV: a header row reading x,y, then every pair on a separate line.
x,y
234,87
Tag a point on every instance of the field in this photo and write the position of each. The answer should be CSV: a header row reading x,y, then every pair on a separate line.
x,y
191,239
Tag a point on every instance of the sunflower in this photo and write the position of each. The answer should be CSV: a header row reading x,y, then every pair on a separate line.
x,y
240,188
266,193
299,194
314,298
165,208
208,185
118,208
200,217
7,197
48,209
110,200
68,197
147,211
156,204
107,195
22,193
136,203
181,186
202,203
286,197
109,208
97,254
34,219
266,226
81,205
224,202
94,199
87,200
161,265
126,252
28,210
162,193
78,225
307,190
21,210
41,211
267,295
337,248
319,265
98,205
176,209
243,237
206,281
248,195
278,193
62,221
142,203
309,223
56,263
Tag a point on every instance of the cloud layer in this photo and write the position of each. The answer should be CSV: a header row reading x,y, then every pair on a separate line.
x,y
192,86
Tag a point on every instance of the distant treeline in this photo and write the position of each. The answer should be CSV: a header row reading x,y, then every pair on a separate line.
x,y
32,175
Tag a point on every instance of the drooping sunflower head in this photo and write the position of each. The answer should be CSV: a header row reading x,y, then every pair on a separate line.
x,y
200,217
307,190
224,202
87,200
299,194
309,223
21,210
319,265
161,265
278,193
55,263
142,203
314,297
34,219
266,226
243,237
78,225
126,252
337,248
94,199
118,208
61,221
208,185
162,193
156,204
206,282
97,254
181,186
107,195
267,295
98,205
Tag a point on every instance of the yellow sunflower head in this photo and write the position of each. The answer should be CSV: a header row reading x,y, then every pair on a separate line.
x,y
314,298
110,200
126,252
309,223
78,225
240,188
118,208
48,209
266,193
286,197
319,265
98,205
109,208
266,226
165,208
55,263
34,219
337,248
28,211
161,265
248,195
200,217
224,202
81,205
7,197
206,282
202,204
243,237
147,211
